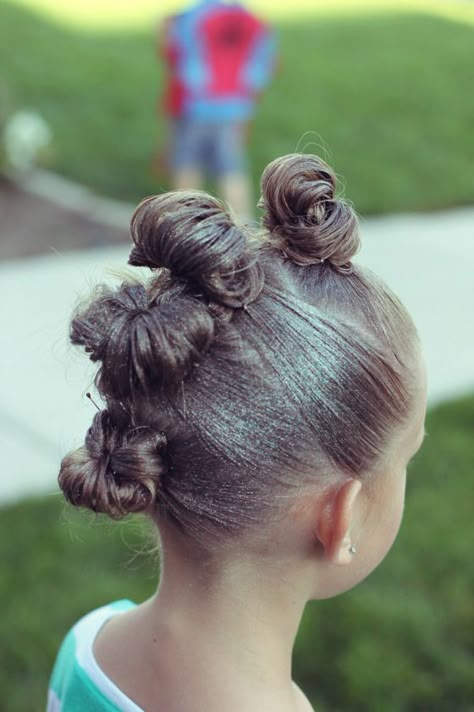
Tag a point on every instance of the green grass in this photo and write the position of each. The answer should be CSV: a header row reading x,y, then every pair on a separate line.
x,y
398,643
386,97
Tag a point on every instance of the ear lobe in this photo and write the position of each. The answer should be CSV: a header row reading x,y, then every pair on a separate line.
x,y
333,529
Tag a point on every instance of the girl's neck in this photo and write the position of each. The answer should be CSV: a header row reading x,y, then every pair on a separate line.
x,y
241,615
213,634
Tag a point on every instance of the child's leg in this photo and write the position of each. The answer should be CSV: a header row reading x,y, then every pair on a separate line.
x,y
185,156
230,168
236,190
186,178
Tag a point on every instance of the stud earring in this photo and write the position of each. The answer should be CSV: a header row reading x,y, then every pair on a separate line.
x,y
352,549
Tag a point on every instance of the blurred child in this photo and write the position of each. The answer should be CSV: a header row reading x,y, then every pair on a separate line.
x,y
262,398
219,58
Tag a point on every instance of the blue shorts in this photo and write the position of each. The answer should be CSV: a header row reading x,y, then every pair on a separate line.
x,y
215,148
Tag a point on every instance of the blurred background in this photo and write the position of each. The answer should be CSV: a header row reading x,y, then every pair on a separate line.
x,y
383,91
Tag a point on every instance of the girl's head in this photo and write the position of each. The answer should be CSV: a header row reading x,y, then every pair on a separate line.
x,y
256,385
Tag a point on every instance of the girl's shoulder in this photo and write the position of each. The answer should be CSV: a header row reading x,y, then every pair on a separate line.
x,y
77,683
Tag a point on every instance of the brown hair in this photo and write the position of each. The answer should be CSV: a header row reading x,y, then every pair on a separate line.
x,y
246,365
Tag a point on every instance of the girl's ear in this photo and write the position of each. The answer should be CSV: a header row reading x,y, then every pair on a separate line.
x,y
334,521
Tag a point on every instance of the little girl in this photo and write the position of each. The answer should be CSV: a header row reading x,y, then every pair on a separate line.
x,y
263,397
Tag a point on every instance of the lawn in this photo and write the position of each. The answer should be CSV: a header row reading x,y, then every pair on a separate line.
x,y
398,643
386,96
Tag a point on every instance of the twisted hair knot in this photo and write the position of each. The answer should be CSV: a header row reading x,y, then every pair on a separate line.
x,y
193,235
116,471
144,343
305,219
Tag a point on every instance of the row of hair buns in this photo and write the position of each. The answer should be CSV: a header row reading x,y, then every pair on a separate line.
x,y
149,339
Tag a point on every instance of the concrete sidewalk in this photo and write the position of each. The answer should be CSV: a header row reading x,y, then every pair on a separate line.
x,y
427,259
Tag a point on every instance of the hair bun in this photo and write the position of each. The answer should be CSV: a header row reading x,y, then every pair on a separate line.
x,y
143,343
304,218
116,472
191,234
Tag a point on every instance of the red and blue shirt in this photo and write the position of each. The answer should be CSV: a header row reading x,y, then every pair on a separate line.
x,y
220,57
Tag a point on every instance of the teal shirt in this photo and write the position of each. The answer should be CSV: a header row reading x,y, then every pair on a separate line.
x,y
77,683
